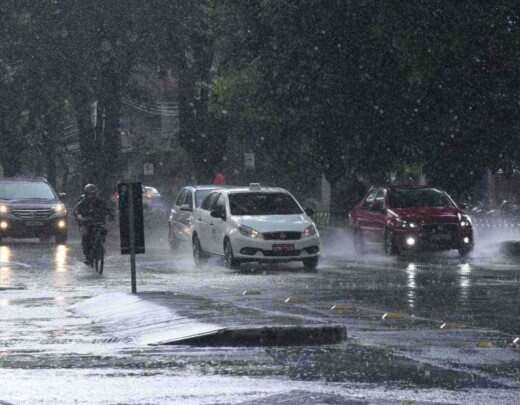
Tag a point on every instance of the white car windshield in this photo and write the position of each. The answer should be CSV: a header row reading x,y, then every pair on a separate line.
x,y
263,204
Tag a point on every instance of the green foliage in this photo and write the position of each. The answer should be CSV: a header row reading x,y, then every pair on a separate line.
x,y
348,88
369,86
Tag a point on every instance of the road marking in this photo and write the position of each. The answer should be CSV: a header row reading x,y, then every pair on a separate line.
x,y
251,292
450,325
485,344
391,316
294,300
342,308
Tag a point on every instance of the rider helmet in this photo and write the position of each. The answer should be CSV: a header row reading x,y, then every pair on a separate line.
x,y
90,189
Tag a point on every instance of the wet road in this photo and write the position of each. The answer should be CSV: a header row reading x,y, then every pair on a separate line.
x,y
428,328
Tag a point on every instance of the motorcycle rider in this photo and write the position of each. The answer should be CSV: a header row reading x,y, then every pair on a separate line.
x,y
90,210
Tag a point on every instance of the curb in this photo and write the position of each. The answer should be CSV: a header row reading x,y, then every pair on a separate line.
x,y
176,319
270,336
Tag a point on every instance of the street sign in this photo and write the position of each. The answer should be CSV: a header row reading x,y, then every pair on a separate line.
x,y
148,169
131,224
249,160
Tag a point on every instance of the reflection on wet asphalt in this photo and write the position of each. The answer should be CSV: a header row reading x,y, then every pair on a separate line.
x,y
444,290
450,325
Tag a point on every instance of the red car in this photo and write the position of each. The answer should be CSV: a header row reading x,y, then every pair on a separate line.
x,y
411,219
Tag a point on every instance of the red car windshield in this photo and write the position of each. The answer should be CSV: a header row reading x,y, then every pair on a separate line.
x,y
423,197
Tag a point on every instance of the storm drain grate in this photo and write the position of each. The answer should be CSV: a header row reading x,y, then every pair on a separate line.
x,y
268,336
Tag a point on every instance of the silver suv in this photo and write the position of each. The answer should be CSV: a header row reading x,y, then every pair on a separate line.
x,y
29,207
180,220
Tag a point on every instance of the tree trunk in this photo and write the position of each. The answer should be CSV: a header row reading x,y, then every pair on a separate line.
x,y
88,139
11,148
50,162
109,108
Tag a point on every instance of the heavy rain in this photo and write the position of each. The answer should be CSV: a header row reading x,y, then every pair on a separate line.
x,y
259,202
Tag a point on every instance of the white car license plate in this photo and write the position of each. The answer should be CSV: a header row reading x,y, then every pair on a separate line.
x,y
285,247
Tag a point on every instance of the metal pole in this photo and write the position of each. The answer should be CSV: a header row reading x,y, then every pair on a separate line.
x,y
131,218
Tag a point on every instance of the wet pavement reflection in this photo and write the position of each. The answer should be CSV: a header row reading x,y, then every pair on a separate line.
x,y
39,283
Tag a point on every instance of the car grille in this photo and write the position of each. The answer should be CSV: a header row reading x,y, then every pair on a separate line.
x,y
32,214
437,229
282,235
281,253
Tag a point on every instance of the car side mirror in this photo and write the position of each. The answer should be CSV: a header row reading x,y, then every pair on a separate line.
x,y
309,212
62,196
463,206
218,214
186,207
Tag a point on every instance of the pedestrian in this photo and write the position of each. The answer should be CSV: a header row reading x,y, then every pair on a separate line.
x,y
219,178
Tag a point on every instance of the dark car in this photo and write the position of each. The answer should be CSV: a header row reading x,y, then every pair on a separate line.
x,y
152,199
29,207
411,219
180,220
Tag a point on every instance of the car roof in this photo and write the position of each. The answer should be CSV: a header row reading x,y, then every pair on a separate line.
x,y
243,189
401,187
207,187
407,187
25,179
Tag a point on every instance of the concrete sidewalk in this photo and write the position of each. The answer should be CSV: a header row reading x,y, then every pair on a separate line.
x,y
172,318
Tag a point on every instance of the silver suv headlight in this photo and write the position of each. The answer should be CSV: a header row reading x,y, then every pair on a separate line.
x,y
4,209
60,208
249,232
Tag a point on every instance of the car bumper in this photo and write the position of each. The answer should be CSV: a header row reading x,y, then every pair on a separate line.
x,y
17,228
420,241
183,233
248,249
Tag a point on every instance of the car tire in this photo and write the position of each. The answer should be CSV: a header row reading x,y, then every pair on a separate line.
x,y
229,257
60,238
464,252
311,264
359,244
389,244
199,256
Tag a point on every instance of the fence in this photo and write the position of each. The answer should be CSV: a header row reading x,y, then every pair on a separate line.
x,y
324,219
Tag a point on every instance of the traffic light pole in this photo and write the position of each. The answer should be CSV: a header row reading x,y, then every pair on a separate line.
x,y
131,223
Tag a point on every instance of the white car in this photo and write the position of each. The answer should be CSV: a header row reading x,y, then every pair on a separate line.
x,y
254,224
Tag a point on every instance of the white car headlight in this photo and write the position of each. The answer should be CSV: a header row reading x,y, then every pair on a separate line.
x,y
59,208
4,209
309,231
249,232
